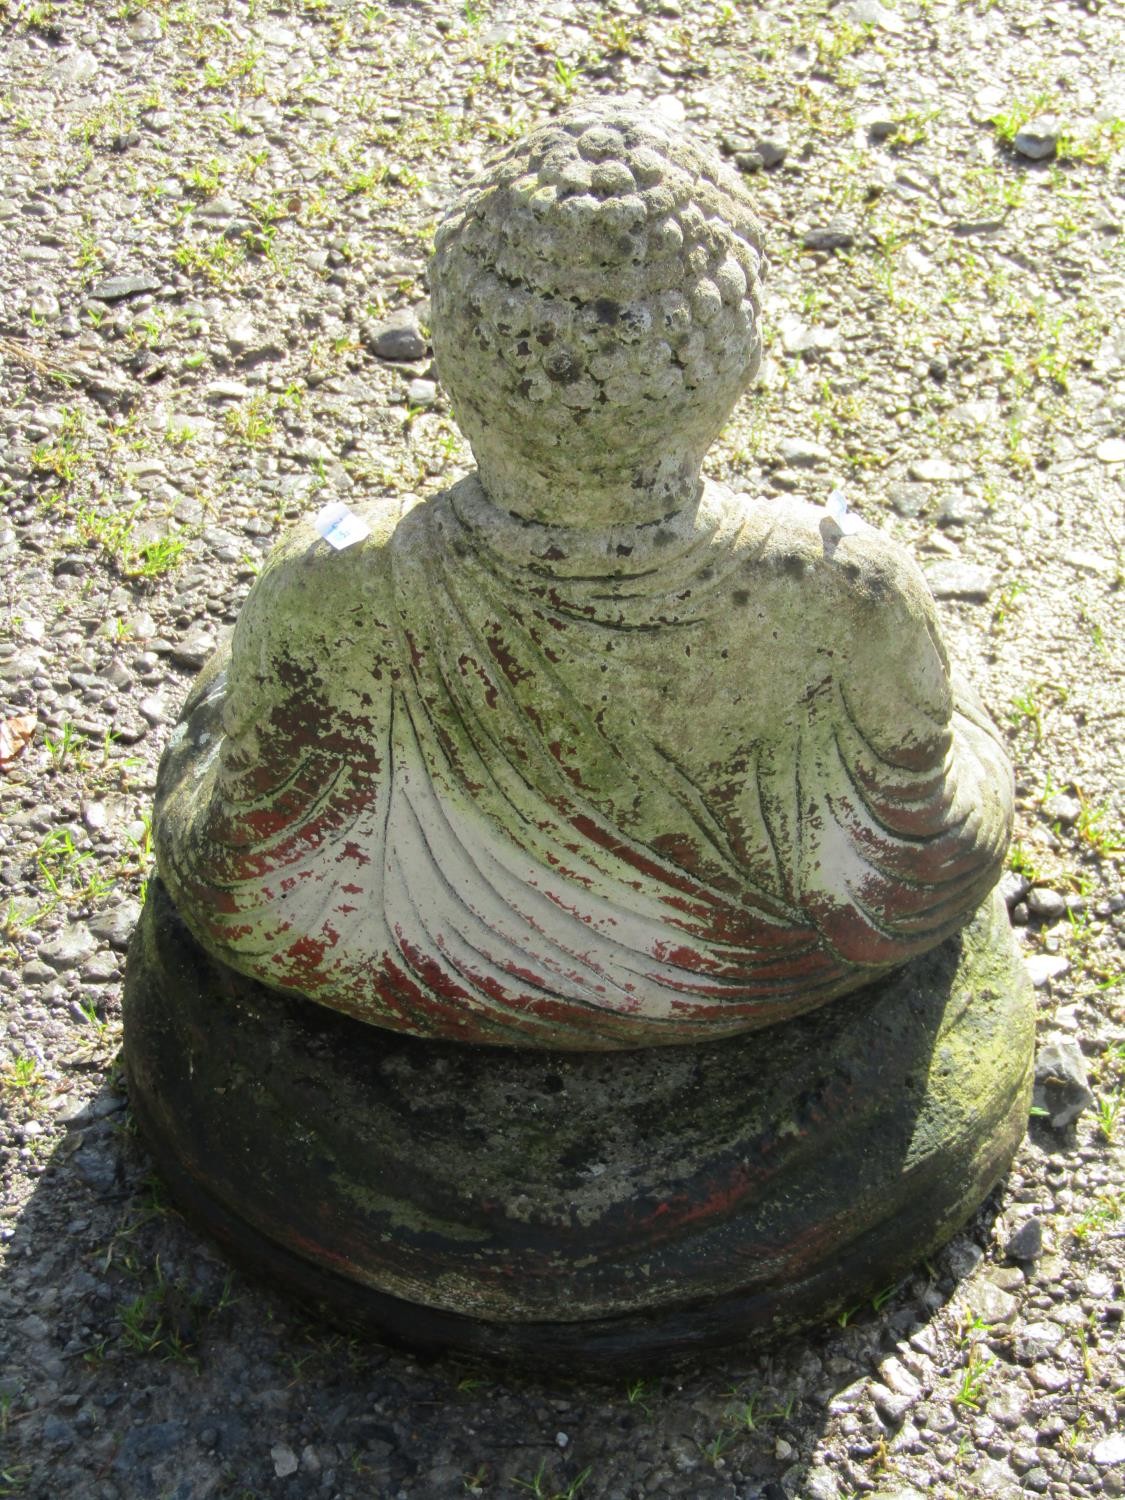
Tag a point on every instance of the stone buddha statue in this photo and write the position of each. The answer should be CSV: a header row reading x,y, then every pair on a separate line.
x,y
585,751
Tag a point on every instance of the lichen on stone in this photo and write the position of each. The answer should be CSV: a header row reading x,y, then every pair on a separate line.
x,y
585,752
596,316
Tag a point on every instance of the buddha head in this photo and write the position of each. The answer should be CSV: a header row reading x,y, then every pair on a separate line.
x,y
596,317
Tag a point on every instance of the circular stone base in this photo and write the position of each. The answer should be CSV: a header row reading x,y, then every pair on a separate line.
x,y
581,1208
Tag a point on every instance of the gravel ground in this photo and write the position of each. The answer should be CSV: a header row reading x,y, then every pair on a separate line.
x,y
214,224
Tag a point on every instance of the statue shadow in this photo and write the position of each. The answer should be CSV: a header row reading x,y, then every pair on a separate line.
x,y
142,1366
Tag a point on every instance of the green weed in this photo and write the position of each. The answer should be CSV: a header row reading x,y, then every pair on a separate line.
x,y
214,260
25,1074
115,536
1095,830
68,749
1010,121
1095,148
1027,709
970,1392
66,455
635,1393
1099,1216
252,423
1108,1114
1009,595
565,78
1021,863
539,1487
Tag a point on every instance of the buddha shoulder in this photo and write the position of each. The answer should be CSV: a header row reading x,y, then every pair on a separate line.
x,y
852,610
311,603
795,559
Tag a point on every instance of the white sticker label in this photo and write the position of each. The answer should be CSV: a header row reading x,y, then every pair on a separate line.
x,y
339,526
836,511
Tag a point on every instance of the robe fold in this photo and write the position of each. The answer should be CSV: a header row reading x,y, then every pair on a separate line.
x,y
499,782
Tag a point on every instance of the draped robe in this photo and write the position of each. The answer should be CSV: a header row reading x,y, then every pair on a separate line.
x,y
500,782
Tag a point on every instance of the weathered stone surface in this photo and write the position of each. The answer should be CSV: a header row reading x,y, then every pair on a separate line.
x,y
424,825
582,1206
584,752
115,924
595,317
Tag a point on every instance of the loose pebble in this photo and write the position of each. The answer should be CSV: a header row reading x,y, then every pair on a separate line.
x,y
285,1461
1063,809
1026,1242
1038,138
1043,967
935,471
1110,1450
957,580
836,235
1046,904
397,338
66,950
115,924
116,288
1061,1086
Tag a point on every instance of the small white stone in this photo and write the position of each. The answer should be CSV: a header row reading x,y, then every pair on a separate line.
x,y
45,306
669,108
1111,451
1089,562
273,34
227,390
987,101
849,1397
1110,1450
800,453
144,28
1043,967
421,393
1049,1378
241,334
872,13
990,1303
890,1405
899,1379
1038,139
284,1460
95,816
936,471
73,68
1062,808
69,947
153,708
141,626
